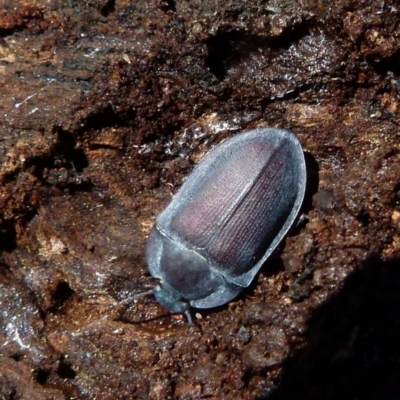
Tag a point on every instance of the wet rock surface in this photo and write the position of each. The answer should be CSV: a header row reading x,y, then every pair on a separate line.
x,y
105,107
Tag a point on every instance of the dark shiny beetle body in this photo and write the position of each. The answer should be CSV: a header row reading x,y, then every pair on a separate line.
x,y
226,219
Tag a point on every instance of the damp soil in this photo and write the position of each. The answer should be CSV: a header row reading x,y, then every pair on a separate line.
x,y
106,106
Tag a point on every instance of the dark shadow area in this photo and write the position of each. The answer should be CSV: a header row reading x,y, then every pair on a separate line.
x,y
168,5
107,117
384,65
396,197
364,218
61,295
65,148
353,350
17,357
63,168
65,370
41,376
57,171
107,8
312,184
8,236
229,48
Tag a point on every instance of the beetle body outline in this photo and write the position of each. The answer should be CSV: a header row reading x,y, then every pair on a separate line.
x,y
226,219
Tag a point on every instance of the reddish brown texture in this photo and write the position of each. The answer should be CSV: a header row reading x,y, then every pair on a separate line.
x,y
106,106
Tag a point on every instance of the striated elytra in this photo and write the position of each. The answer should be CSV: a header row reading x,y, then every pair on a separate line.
x,y
226,219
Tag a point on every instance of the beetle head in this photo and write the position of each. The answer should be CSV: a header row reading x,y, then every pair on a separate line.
x,y
172,300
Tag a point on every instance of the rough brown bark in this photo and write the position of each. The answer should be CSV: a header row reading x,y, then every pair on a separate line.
x,y
105,106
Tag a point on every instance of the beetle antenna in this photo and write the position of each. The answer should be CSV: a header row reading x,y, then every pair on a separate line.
x,y
135,297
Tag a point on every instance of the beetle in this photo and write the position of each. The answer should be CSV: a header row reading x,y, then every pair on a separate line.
x,y
226,219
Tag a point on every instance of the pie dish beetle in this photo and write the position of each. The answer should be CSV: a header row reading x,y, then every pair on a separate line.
x,y
226,219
